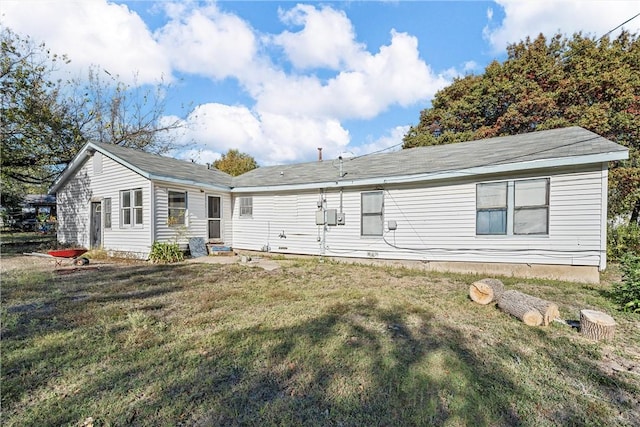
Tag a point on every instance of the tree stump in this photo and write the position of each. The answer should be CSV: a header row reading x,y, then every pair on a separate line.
x,y
519,305
596,325
486,290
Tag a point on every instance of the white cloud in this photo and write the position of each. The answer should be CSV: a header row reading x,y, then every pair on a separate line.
x,y
92,32
289,114
392,141
530,18
394,76
269,138
326,40
206,42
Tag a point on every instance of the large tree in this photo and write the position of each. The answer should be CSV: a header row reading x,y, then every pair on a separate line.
x,y
235,163
545,84
44,120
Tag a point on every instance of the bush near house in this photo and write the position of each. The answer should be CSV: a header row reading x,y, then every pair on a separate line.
x,y
623,239
627,292
165,253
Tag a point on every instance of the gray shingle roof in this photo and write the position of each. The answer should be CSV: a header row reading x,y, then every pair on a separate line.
x,y
572,142
159,167
534,146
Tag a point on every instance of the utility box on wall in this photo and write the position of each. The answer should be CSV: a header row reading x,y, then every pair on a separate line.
x,y
340,219
332,217
320,217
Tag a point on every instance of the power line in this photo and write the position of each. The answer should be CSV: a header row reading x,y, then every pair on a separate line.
x,y
611,31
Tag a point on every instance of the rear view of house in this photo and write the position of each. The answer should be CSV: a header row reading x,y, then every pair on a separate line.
x,y
123,200
531,205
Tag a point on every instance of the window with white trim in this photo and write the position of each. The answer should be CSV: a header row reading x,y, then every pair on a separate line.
x,y
519,207
130,208
177,203
371,213
246,207
106,212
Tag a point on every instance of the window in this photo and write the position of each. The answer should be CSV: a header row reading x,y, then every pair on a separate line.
x,y
491,207
130,208
531,207
371,223
513,207
177,208
246,206
107,212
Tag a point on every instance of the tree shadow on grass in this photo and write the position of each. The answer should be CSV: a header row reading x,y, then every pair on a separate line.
x,y
355,365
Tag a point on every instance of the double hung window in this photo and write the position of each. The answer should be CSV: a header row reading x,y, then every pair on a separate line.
x,y
131,208
372,207
518,207
177,204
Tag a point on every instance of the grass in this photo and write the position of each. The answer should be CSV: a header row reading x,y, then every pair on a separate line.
x,y
313,344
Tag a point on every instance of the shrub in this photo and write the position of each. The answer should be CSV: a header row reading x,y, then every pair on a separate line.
x,y
622,240
165,253
627,293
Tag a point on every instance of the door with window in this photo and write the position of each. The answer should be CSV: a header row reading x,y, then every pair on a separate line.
x,y
96,225
214,216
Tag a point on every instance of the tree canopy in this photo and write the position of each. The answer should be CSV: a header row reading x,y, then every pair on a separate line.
x,y
44,120
546,84
235,163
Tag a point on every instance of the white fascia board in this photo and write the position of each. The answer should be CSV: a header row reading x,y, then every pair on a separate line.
x,y
167,180
74,164
481,170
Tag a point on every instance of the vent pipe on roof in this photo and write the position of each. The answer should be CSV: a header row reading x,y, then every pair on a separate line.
x,y
319,154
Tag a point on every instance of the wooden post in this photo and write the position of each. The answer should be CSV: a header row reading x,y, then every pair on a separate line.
x,y
596,325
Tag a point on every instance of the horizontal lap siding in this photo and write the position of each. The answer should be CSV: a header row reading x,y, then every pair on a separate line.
x,y
74,201
197,216
435,222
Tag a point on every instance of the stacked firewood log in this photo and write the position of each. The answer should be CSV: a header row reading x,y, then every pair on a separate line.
x,y
535,311
531,310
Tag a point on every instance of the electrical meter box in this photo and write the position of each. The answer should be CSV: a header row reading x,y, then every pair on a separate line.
x,y
332,217
340,218
320,217
392,225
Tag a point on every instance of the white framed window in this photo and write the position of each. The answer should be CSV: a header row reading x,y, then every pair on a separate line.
x,y
177,203
246,207
131,207
371,213
531,206
106,212
518,207
491,208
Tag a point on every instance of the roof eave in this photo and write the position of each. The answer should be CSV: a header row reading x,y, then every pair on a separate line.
x,y
450,174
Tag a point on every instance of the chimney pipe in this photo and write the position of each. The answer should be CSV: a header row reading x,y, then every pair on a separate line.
x,y
319,154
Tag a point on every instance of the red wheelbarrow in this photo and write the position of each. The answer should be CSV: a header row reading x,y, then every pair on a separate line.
x,y
60,256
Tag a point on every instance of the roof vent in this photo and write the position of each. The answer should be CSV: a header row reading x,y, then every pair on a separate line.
x,y
319,154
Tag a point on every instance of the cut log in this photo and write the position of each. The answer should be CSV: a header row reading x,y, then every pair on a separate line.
x,y
548,309
486,290
518,305
597,325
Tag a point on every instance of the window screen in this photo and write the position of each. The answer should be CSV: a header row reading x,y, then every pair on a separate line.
x,y
372,209
491,208
531,211
177,207
246,206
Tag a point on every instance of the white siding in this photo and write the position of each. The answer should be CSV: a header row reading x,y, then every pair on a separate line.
x,y
196,224
94,183
436,222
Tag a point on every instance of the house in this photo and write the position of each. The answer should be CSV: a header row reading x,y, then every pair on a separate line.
x,y
529,205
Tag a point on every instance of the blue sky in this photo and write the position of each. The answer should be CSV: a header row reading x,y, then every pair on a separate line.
x,y
277,79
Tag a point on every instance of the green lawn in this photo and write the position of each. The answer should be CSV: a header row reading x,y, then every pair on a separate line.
x,y
309,344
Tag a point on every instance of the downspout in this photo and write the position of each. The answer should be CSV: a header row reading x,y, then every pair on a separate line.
x,y
604,188
152,214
